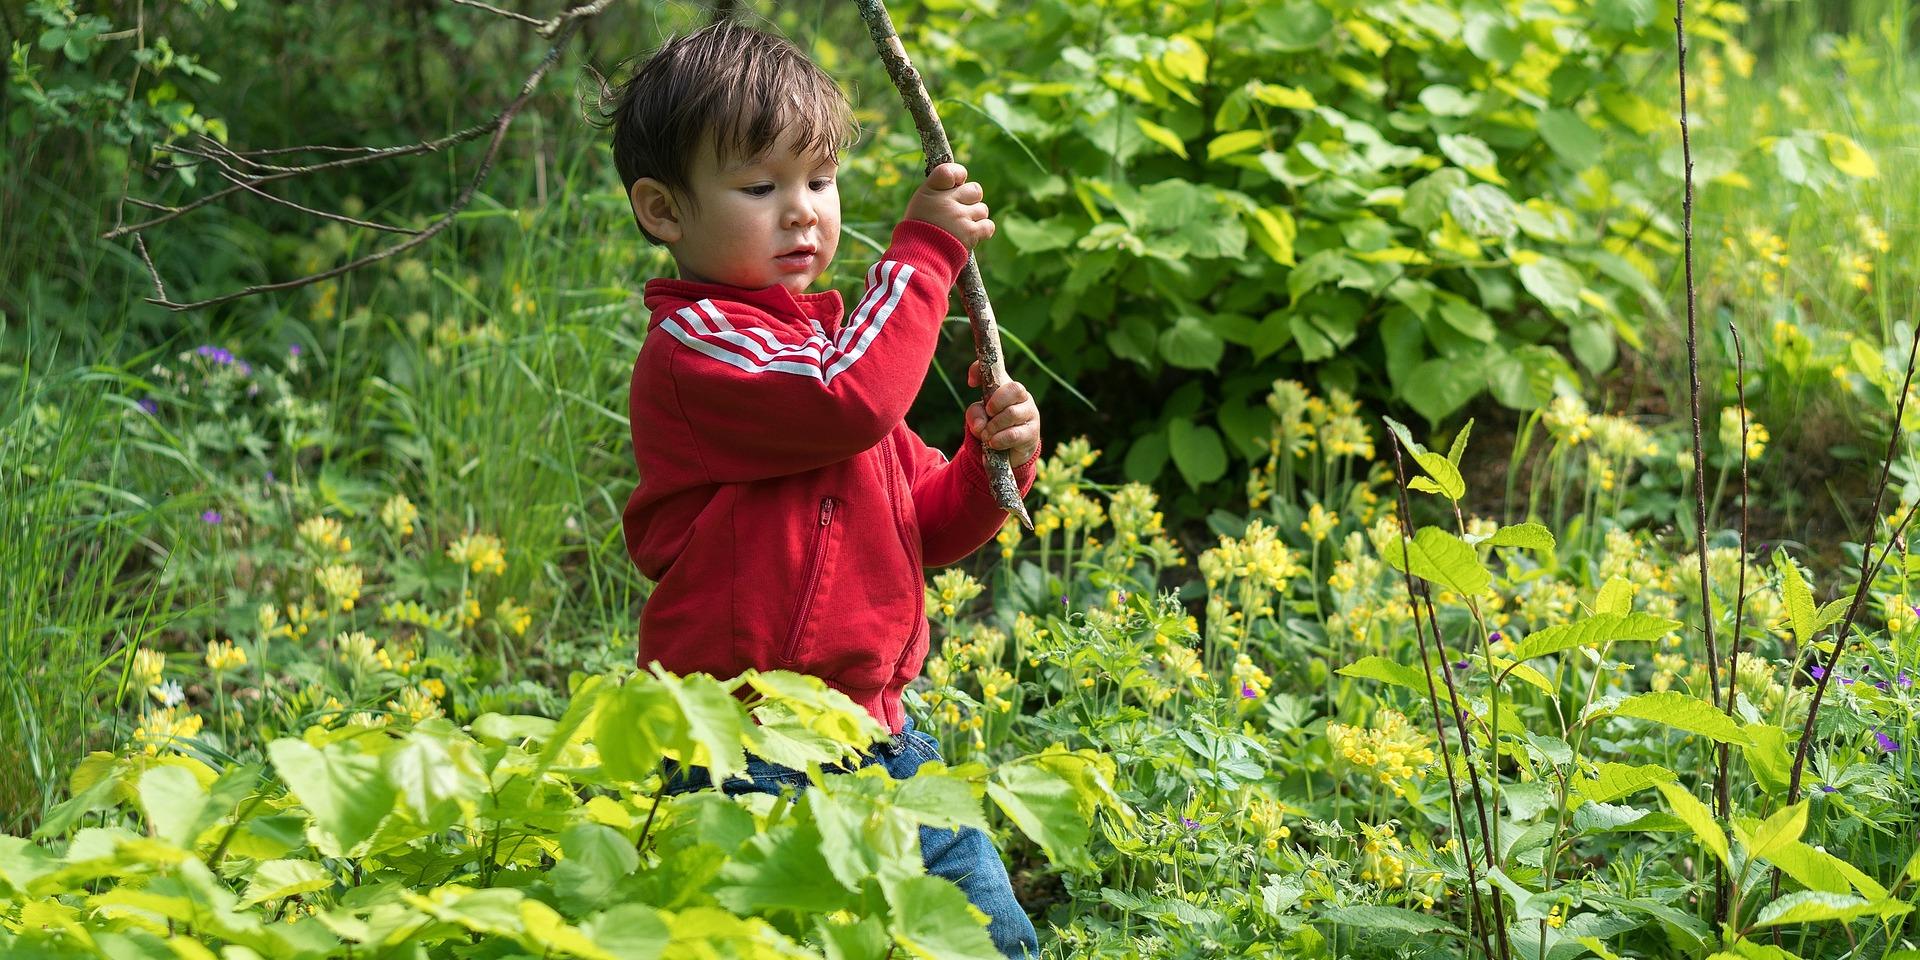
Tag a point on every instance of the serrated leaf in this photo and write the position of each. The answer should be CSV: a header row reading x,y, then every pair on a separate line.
x,y
1527,536
275,879
1775,832
932,919
1682,712
1375,917
1386,671
1615,597
343,791
1697,817
1611,781
1440,557
1592,632
1798,598
1446,477
1816,906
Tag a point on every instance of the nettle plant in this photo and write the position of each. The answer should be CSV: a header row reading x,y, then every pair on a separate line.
x,y
529,836
1214,195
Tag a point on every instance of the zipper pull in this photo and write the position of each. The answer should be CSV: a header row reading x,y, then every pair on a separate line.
x,y
826,510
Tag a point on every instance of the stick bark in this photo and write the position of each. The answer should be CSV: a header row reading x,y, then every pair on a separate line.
x,y
933,143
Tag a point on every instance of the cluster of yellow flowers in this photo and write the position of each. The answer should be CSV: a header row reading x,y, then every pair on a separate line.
x,y
1304,424
324,535
160,728
1267,818
951,590
1257,557
341,582
416,704
398,514
1729,435
1380,856
222,656
513,617
1568,420
411,612
1068,510
1393,750
1320,523
1249,681
480,552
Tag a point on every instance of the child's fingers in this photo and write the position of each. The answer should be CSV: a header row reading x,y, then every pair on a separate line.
x,y
947,176
1010,393
969,193
973,374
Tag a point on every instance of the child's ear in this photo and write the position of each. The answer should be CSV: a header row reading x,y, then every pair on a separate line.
x,y
655,209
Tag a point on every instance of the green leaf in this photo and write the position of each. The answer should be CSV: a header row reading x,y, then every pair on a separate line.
x,y
1616,596
630,931
1228,144
1848,157
1815,906
1594,631
1438,387
1486,212
1682,712
933,920
1570,137
1466,318
1375,917
1038,236
1440,557
1197,452
1273,231
1048,807
1526,536
174,803
1799,599
782,870
275,879
1446,477
714,722
344,792
1813,869
431,768
1386,671
1553,283
1766,837
1697,817
1162,136
1611,781
1191,344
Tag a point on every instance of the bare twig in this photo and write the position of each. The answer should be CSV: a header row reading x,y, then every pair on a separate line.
x,y
1722,789
933,143
256,173
1478,914
1867,576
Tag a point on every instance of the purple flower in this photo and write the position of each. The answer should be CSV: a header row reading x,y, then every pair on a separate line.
x,y
1246,691
151,406
1461,664
1903,679
1819,672
1846,681
1190,824
1824,788
293,350
1123,599
1887,744
269,477
210,517
1916,611
1063,601
1495,637
219,355
1881,685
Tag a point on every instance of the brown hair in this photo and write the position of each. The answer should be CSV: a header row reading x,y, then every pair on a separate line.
x,y
729,82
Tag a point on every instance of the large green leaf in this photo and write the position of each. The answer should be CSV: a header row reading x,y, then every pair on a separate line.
x,y
1611,781
1798,598
1440,557
1386,671
1763,837
1197,452
1697,817
433,768
1592,632
1815,906
345,792
1377,917
933,920
1682,712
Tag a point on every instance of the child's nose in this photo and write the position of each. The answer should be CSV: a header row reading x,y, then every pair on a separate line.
x,y
801,213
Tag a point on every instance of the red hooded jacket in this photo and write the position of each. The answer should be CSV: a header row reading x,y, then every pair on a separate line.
x,y
784,507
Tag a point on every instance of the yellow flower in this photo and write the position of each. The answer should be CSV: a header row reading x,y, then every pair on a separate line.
x,y
342,582
398,514
222,656
1554,917
270,625
148,665
481,552
324,534
434,688
514,616
160,728
416,704
470,613
1319,522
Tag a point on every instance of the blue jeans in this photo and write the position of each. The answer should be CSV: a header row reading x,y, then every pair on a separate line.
x,y
965,856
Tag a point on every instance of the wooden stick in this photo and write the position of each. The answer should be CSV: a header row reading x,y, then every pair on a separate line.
x,y
933,143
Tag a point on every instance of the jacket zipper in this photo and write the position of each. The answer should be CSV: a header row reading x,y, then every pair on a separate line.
x,y
816,553
919,595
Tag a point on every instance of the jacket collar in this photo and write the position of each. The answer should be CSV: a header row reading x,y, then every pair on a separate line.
x,y
825,307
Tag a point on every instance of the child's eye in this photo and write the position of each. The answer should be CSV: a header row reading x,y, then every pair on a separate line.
x,y
759,189
822,183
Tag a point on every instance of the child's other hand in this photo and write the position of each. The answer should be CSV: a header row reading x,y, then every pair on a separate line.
x,y
1008,420
951,202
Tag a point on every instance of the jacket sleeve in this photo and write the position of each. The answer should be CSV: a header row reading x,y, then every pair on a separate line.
x,y
759,405
952,499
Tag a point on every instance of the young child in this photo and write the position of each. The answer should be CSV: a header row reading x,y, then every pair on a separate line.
x,y
784,508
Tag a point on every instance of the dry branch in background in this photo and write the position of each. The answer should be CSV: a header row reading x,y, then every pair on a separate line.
x,y
249,171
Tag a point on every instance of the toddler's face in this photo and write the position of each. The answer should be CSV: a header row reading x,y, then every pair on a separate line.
x,y
774,219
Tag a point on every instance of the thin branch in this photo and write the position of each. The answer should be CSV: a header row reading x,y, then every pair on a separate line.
x,y
564,25
1867,575
509,14
1722,788
241,180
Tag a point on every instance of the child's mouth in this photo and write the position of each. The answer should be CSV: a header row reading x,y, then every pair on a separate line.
x,y
797,260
